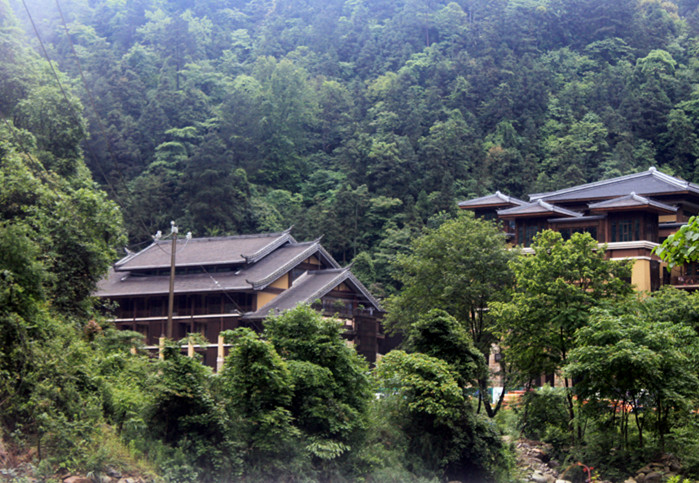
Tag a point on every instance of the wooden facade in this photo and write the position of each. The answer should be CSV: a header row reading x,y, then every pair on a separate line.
x,y
229,282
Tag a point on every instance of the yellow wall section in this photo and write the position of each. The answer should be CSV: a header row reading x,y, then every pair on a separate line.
x,y
667,218
313,261
282,282
640,275
263,298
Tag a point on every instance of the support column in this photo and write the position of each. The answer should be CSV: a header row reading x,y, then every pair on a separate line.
x,y
219,357
190,348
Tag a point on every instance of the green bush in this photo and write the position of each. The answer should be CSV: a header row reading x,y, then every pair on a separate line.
x,y
683,441
544,412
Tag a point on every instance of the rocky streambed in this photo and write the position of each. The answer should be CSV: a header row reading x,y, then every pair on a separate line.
x,y
534,463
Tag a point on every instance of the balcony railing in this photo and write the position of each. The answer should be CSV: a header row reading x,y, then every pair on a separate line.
x,y
178,318
684,281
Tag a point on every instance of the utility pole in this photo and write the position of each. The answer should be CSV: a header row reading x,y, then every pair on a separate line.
x,y
171,297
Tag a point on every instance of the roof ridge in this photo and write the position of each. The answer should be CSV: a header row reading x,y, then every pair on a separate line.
x,y
342,275
288,265
632,195
238,237
651,171
555,208
300,280
546,205
132,255
670,179
498,194
268,248
307,242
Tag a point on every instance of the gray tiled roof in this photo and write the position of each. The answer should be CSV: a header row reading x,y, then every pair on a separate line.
x,y
630,201
651,182
205,251
538,207
310,286
254,276
284,259
494,200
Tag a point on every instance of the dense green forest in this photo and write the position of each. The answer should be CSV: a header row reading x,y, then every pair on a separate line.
x,y
358,120
364,122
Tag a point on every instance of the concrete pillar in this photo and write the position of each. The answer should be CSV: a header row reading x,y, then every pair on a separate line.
x,y
190,348
640,274
219,356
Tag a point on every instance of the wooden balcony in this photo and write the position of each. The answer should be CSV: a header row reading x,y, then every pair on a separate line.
x,y
685,282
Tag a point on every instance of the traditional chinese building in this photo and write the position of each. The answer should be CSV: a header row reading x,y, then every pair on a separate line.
x,y
223,283
631,214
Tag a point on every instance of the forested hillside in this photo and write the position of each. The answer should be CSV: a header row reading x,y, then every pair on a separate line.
x,y
358,120
362,121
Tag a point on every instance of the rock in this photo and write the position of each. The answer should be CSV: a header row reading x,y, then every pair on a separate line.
x,y
540,455
126,480
113,472
566,481
538,477
77,479
630,480
653,477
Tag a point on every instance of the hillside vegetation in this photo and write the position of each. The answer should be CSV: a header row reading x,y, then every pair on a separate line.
x,y
359,120
363,121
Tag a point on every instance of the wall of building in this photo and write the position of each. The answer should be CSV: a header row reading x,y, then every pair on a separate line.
x,y
641,274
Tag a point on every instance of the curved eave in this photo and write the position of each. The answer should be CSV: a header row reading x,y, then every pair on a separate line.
x,y
647,208
266,250
286,268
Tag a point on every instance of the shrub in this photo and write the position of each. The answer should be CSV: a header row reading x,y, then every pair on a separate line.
x,y
544,412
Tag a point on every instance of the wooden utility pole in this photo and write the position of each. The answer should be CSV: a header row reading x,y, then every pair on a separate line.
x,y
171,297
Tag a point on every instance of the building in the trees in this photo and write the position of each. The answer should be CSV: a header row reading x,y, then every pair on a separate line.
x,y
632,214
223,283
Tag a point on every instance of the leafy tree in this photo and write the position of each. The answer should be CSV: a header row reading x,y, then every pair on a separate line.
x,y
184,415
332,389
638,360
555,290
258,387
443,430
438,334
682,246
459,267
45,112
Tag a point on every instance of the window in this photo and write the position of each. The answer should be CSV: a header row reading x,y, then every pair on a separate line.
x,y
126,308
626,230
529,234
156,307
566,233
